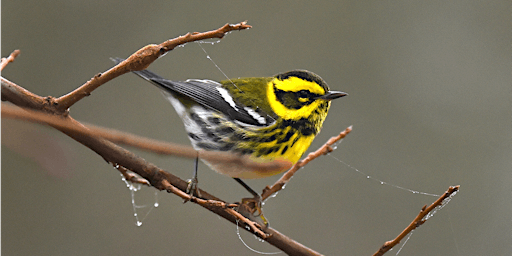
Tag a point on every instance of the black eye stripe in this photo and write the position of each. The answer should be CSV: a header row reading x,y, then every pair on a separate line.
x,y
291,99
307,94
298,94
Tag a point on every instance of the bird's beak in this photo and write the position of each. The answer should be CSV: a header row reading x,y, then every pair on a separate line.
x,y
331,95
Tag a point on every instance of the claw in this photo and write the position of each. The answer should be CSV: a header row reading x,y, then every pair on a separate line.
x,y
192,187
251,209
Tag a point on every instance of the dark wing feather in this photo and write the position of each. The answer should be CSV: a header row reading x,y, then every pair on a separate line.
x,y
205,93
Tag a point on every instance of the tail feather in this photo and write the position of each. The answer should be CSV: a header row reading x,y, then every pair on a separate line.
x,y
145,74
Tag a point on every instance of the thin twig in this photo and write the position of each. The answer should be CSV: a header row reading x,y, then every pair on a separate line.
x,y
324,149
131,177
140,60
191,37
9,59
418,221
252,225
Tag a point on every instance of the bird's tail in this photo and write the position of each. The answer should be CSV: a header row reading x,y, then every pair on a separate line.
x,y
147,75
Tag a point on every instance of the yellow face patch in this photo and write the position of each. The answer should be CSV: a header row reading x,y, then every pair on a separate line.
x,y
293,84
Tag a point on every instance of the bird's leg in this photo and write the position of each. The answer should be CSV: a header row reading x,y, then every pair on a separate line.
x,y
254,193
251,207
192,183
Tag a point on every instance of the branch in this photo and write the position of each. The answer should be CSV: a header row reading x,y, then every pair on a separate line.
x,y
323,150
138,61
21,97
9,59
425,213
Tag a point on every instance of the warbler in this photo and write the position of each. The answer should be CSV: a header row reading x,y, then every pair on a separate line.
x,y
267,118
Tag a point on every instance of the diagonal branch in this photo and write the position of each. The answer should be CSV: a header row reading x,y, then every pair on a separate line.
x,y
424,214
138,61
324,149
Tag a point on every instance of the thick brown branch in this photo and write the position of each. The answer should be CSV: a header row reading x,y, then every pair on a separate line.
x,y
418,221
21,97
324,149
138,61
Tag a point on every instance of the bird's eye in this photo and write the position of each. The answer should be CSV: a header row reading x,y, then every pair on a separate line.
x,y
303,96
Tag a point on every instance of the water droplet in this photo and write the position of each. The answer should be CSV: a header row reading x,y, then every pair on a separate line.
x,y
259,239
271,196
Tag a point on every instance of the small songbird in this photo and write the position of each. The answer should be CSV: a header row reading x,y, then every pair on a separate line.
x,y
267,118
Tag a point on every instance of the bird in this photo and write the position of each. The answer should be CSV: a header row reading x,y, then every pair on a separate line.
x,y
265,118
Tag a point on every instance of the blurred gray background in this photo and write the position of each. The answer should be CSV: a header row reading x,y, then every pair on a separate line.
x,y
430,102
